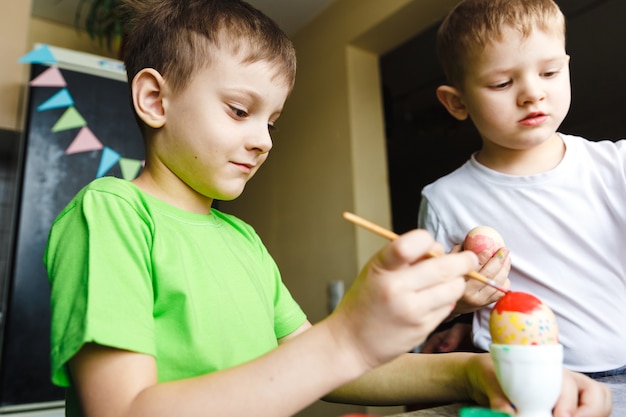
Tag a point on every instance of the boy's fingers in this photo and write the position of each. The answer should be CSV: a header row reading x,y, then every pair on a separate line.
x,y
406,249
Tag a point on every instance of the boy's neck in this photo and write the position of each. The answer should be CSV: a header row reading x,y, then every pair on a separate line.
x,y
536,160
173,192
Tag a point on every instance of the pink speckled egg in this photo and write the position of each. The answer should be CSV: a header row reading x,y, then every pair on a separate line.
x,y
482,238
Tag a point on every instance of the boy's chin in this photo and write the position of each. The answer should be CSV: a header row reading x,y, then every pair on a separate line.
x,y
228,196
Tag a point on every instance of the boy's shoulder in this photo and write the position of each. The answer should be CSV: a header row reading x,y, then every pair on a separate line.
x,y
115,191
594,145
104,185
454,177
107,184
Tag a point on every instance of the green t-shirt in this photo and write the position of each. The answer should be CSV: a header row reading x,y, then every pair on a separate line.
x,y
198,292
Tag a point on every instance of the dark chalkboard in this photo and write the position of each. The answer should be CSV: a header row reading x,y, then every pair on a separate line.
x,y
48,178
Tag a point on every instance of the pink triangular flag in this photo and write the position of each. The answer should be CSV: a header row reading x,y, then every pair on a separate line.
x,y
84,141
51,77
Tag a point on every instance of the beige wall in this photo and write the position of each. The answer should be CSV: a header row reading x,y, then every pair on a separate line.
x,y
55,34
14,21
329,153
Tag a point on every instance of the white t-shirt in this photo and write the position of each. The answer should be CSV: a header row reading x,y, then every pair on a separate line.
x,y
566,230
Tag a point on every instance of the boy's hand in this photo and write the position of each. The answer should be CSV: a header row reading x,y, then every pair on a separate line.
x,y
476,293
400,297
580,396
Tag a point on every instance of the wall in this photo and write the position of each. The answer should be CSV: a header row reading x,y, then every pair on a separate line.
x,y
56,34
13,21
329,151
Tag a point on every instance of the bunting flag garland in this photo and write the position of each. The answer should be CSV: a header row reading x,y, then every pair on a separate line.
x,y
69,120
130,167
51,77
85,140
41,55
107,160
57,101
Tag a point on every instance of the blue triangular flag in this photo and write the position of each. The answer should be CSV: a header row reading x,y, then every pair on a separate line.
x,y
41,55
107,160
60,99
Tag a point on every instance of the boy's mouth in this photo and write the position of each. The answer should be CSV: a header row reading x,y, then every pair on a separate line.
x,y
244,167
533,119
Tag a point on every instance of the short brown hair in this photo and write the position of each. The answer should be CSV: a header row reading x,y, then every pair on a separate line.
x,y
178,37
473,24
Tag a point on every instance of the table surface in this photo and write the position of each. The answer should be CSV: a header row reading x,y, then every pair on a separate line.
x,y
617,384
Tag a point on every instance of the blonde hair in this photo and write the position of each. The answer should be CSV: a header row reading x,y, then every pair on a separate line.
x,y
473,24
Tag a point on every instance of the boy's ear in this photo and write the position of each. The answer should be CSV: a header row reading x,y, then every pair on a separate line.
x,y
452,101
148,93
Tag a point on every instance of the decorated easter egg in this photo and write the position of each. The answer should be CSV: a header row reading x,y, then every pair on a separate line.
x,y
519,318
482,238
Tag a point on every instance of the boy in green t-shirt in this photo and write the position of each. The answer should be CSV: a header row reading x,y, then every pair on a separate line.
x,y
164,306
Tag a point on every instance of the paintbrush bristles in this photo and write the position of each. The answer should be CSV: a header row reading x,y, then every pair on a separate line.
x,y
388,234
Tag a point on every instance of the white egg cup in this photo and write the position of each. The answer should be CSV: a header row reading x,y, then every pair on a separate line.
x,y
530,376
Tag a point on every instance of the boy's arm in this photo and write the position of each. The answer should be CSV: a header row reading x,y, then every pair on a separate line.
x,y
120,383
394,303
423,378
117,383
114,382
464,377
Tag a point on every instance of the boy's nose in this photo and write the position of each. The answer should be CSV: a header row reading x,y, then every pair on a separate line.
x,y
530,92
261,140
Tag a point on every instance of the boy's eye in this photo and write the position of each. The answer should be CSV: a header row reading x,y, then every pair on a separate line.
x,y
239,113
550,74
500,86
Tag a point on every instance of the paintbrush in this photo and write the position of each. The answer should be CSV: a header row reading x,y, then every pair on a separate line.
x,y
388,234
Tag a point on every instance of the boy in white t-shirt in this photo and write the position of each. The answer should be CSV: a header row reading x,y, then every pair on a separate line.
x,y
557,200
